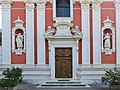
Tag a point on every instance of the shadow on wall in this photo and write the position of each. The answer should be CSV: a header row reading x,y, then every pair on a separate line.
x,y
0,45
0,37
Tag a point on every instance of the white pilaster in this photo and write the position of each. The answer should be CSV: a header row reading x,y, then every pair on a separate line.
x,y
117,5
29,32
86,32
40,32
54,8
96,32
6,32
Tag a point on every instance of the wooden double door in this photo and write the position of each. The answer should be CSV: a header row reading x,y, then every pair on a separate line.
x,y
63,62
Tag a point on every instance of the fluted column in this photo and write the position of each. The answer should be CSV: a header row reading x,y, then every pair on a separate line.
x,y
85,31
29,32
117,6
96,31
40,32
6,32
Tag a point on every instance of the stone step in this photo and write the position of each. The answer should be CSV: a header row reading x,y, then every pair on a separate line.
x,y
64,83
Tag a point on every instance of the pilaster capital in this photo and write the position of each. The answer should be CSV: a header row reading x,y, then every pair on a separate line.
x,y
6,3
117,4
30,3
85,4
41,4
96,4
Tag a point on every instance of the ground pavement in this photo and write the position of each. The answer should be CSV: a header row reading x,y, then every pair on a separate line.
x,y
34,87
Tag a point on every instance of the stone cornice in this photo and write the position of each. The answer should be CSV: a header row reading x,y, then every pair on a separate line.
x,y
41,1
76,1
52,0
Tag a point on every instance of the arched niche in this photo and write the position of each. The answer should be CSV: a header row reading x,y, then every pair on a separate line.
x,y
108,34
18,29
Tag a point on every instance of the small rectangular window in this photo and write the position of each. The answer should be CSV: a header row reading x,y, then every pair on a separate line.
x,y
63,8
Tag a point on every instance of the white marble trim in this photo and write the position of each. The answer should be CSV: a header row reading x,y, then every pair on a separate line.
x,y
6,36
86,36
29,35
96,36
40,36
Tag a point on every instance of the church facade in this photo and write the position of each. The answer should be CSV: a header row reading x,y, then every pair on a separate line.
x,y
61,39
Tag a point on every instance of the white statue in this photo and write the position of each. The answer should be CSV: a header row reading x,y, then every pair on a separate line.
x,y
19,41
107,43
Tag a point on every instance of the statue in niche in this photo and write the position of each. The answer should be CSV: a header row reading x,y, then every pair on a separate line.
x,y
19,41
107,42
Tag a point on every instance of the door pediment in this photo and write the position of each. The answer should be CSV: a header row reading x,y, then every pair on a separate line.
x,y
63,30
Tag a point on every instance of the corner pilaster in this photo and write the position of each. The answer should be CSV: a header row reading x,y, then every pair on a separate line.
x,y
6,32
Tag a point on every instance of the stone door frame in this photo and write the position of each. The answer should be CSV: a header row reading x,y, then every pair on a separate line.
x,y
63,44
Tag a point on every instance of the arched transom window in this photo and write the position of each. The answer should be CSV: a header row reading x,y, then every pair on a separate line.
x,y
62,8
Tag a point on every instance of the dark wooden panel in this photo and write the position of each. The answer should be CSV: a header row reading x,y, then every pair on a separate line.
x,y
63,62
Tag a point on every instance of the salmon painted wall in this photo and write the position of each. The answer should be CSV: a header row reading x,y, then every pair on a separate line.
x,y
18,9
91,36
77,22
108,9
35,35
48,22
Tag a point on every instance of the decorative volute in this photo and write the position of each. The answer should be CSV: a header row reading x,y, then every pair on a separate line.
x,y
85,4
6,3
96,3
50,32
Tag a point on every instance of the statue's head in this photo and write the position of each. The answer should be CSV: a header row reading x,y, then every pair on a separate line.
x,y
19,33
107,34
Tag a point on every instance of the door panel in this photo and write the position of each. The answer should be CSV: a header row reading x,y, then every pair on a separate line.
x,y
63,62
